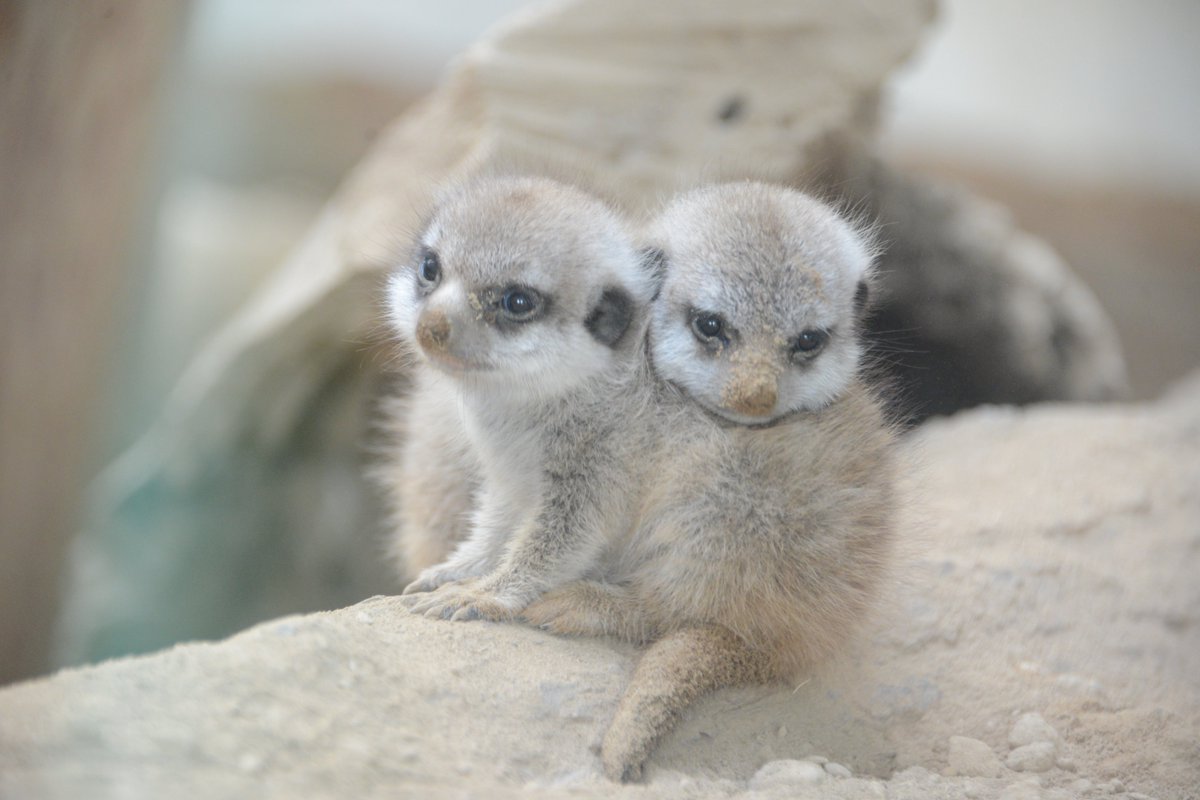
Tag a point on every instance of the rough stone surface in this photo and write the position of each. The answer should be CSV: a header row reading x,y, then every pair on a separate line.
x,y
787,773
1053,541
967,756
1023,790
1036,757
1031,728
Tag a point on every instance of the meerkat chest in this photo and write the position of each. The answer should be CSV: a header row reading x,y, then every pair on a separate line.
x,y
510,448
721,496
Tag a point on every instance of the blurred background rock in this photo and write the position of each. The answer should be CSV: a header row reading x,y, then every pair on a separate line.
x,y
1081,116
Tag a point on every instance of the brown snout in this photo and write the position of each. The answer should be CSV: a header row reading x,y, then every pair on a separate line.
x,y
753,396
433,330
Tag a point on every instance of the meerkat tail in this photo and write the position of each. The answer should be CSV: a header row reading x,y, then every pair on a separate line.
x,y
674,672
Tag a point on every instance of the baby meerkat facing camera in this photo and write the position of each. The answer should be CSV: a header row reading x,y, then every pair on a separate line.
x,y
526,305
763,532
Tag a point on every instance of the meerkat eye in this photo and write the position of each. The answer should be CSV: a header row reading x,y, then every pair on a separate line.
x,y
430,268
520,303
708,326
809,342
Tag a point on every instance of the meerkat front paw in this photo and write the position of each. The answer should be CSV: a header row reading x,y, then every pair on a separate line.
x,y
418,600
467,602
430,579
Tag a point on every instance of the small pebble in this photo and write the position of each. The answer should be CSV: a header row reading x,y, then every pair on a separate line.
x,y
786,772
1031,728
1066,763
782,731
969,756
915,774
837,770
1025,790
816,759
859,789
1036,757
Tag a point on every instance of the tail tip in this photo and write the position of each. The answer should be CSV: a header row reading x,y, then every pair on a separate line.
x,y
620,771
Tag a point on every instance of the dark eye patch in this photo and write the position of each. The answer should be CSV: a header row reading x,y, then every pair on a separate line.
x,y
809,342
518,303
709,327
429,269
509,307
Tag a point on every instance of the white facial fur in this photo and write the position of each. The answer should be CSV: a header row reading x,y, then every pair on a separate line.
x,y
771,263
530,234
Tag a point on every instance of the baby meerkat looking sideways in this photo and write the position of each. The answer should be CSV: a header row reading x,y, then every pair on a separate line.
x,y
527,305
764,531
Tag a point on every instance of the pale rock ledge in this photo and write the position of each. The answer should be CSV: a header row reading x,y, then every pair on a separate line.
x,y
1052,571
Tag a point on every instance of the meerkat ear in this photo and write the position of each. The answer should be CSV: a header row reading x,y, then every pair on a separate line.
x,y
654,261
610,317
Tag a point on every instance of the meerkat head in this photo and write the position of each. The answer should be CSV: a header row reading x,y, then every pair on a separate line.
x,y
761,301
521,284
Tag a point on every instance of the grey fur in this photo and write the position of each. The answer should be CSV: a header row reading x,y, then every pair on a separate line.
x,y
730,508
524,409
763,532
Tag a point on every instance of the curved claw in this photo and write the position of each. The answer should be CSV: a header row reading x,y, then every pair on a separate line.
x,y
423,604
467,614
461,604
431,580
418,586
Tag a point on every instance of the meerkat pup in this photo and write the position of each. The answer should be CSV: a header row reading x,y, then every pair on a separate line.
x,y
763,532
526,304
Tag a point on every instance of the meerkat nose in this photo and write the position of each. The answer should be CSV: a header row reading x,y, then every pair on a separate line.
x,y
433,330
755,398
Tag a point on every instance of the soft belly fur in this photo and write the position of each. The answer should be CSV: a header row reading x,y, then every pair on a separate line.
x,y
779,534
